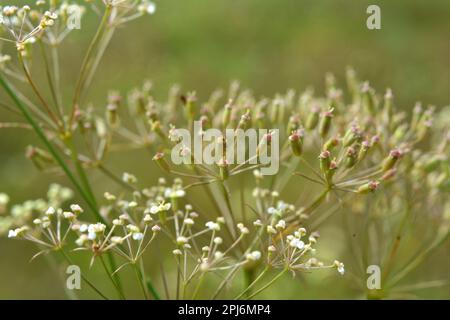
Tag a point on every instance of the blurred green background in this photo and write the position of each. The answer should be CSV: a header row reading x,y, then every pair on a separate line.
x,y
269,46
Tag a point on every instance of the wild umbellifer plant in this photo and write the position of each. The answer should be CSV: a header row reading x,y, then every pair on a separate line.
x,y
352,155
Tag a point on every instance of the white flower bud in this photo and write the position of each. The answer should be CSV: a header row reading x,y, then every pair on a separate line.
x,y
117,240
147,219
218,255
212,226
339,266
281,225
254,256
221,220
110,197
118,222
50,211
177,252
258,223
132,228
138,236
81,240
69,215
297,243
76,209
302,231
182,240
193,215
271,230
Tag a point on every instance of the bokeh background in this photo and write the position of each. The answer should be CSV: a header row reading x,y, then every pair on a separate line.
x,y
269,46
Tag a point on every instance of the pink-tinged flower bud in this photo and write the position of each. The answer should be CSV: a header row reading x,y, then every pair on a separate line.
x,y
391,160
331,143
352,135
368,187
365,146
296,142
324,161
112,116
40,158
331,171
156,127
191,105
293,124
265,144
350,157
416,115
223,169
162,163
205,121
325,123
352,84
368,98
375,140
245,120
313,118
226,117
388,104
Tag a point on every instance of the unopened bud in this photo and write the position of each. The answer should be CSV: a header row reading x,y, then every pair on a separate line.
x,y
390,161
296,141
331,143
352,135
324,160
162,163
350,157
368,187
226,117
313,118
325,123
224,169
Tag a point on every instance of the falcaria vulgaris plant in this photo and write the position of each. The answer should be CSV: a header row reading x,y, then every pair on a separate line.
x,y
227,230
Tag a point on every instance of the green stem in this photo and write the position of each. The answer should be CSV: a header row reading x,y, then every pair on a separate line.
x,y
119,291
148,282
317,202
140,280
79,168
38,94
197,287
51,83
231,219
417,261
152,289
86,59
252,284
268,284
